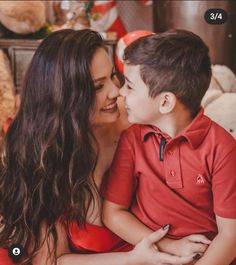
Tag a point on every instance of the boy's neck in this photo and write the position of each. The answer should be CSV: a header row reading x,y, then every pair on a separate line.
x,y
174,122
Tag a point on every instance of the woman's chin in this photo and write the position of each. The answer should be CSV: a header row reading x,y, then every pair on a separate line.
x,y
107,117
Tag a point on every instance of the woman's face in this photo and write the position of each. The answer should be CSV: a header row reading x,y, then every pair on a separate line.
x,y
107,91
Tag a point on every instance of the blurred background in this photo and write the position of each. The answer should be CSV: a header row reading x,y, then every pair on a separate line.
x,y
23,24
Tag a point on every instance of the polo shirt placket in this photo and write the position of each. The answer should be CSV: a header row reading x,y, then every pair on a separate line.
x,y
172,167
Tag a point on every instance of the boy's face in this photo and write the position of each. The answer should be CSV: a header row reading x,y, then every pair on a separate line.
x,y
140,106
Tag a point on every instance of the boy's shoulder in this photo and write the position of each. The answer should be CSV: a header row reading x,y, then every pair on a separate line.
x,y
133,132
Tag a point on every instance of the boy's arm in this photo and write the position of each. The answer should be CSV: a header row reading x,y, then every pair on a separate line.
x,y
222,250
123,223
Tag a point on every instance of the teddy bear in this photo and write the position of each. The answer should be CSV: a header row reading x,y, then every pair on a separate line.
x,y
219,101
7,91
23,17
20,17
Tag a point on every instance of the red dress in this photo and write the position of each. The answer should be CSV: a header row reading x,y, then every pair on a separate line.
x,y
95,239
88,239
4,258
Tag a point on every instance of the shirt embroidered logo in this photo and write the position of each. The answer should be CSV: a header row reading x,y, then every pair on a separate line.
x,y
200,179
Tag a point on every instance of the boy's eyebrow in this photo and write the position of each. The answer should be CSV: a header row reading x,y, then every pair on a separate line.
x,y
126,78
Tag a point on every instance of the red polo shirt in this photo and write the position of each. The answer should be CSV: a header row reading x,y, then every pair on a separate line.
x,y
195,180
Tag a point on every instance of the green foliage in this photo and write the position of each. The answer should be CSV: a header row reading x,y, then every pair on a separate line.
x,y
88,5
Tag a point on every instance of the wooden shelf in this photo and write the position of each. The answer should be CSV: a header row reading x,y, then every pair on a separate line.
x,y
7,43
21,51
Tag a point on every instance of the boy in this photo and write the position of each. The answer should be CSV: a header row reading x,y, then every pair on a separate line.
x,y
176,166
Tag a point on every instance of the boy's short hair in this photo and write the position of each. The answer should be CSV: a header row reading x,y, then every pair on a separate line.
x,y
176,61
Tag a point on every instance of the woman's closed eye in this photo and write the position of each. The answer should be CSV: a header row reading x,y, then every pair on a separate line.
x,y
99,86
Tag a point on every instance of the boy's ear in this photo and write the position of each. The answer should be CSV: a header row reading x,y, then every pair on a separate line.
x,y
167,102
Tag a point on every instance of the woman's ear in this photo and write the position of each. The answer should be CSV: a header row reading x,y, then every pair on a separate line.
x,y
167,102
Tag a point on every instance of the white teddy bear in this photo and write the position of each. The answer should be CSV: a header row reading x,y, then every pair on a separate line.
x,y
220,99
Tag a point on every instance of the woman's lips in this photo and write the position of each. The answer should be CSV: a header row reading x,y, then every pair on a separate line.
x,y
110,107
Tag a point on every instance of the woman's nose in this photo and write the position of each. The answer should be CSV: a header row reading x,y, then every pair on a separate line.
x,y
122,91
114,91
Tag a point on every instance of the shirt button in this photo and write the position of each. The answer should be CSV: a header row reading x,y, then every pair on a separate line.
x,y
172,173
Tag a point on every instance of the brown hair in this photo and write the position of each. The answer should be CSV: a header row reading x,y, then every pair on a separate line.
x,y
176,61
49,156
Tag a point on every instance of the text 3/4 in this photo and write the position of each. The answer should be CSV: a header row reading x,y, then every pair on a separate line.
x,y
216,16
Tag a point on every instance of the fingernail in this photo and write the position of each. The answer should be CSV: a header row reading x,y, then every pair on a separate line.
x,y
197,256
166,227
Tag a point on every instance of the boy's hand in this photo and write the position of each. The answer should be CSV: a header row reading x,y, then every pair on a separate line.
x,y
147,253
189,245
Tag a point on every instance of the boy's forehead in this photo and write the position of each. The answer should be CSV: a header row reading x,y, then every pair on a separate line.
x,y
131,71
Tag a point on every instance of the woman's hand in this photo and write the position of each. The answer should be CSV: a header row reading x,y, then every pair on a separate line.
x,y
147,253
189,245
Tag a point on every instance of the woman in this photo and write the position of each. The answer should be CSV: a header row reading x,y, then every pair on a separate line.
x,y
56,153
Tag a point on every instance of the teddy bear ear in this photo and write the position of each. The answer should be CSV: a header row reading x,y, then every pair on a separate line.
x,y
225,78
23,17
213,92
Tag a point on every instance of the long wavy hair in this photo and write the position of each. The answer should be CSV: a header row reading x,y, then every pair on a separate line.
x,y
49,156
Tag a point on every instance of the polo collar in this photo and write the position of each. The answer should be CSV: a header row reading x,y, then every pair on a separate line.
x,y
194,133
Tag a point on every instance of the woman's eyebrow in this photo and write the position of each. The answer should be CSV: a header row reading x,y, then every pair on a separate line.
x,y
99,79
103,77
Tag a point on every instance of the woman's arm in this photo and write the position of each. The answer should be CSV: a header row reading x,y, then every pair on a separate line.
x,y
145,253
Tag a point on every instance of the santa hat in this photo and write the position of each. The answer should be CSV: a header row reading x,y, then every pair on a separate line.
x,y
105,17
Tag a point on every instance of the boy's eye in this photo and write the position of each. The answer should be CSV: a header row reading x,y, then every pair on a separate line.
x,y
98,87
